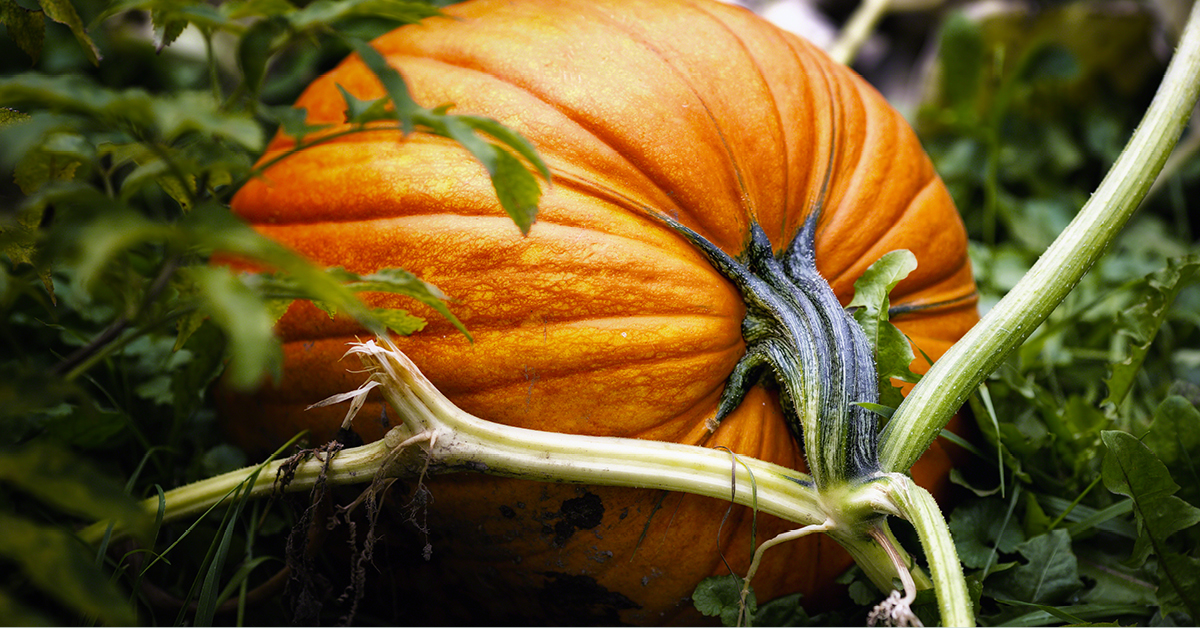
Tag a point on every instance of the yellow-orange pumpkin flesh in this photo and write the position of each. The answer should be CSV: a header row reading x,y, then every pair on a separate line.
x,y
602,320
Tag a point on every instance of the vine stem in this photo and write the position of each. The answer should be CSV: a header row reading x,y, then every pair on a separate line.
x,y
952,379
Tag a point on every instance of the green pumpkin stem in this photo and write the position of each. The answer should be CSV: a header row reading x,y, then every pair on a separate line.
x,y
797,332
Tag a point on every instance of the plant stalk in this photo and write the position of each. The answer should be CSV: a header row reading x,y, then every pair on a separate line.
x,y
952,379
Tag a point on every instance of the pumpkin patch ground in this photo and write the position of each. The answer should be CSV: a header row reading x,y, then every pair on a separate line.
x,y
598,312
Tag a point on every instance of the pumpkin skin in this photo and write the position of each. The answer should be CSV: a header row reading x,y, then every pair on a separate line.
x,y
602,320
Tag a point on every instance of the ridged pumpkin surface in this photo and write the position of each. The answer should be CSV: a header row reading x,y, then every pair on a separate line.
x,y
602,320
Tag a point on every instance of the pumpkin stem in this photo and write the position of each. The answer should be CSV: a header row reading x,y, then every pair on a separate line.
x,y
796,329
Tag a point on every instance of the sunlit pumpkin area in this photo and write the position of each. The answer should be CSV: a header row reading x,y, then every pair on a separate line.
x,y
599,312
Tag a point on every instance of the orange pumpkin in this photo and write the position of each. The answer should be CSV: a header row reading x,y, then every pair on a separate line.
x,y
603,320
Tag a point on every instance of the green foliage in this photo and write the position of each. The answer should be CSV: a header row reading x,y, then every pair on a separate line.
x,y
123,284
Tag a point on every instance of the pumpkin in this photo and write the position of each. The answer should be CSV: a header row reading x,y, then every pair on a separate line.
x,y
603,320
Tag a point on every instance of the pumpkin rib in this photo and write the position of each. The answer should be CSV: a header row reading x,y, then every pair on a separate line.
x,y
568,113
731,161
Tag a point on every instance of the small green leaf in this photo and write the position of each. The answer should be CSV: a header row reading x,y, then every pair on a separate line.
x,y
364,111
63,12
399,321
517,190
720,596
392,82
167,27
871,305
12,116
26,28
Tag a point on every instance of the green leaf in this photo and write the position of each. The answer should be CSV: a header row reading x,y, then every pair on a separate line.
x,y
253,349
1141,322
871,305
720,596
517,190
167,27
364,111
17,614
324,12
26,28
399,321
63,12
254,51
60,566
1179,590
1130,469
69,483
981,528
12,116
393,83
1050,575
1174,437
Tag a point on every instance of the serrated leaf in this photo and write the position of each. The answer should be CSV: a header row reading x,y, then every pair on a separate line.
x,y
103,238
1131,469
167,28
63,12
364,111
12,116
400,281
61,567
720,596
981,528
1141,322
26,28
1050,575
399,321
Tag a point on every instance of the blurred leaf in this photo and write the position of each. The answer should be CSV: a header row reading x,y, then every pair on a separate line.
x,y
253,349
323,12
403,105
63,12
962,59
1174,437
1180,588
26,28
17,614
254,51
62,479
59,565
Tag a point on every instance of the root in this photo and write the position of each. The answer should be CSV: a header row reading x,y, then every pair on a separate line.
x,y
896,609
